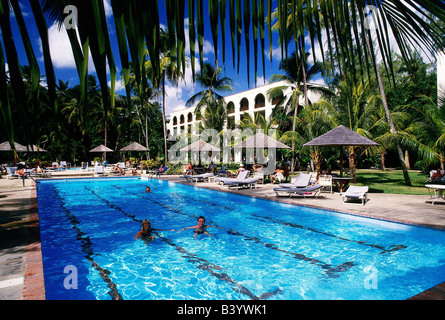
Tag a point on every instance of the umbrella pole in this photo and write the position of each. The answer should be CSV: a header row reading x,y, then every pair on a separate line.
x,y
341,161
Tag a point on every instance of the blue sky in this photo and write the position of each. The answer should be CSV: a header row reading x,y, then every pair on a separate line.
x,y
177,95
65,68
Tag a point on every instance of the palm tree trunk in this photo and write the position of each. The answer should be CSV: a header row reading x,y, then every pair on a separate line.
x,y
352,155
294,124
163,120
106,136
392,128
146,134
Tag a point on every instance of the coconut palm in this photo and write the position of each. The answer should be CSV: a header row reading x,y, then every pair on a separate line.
x,y
213,85
137,26
357,109
296,74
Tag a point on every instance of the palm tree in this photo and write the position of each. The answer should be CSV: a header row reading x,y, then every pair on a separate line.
x,y
431,124
137,26
357,109
214,115
313,121
215,110
212,84
296,76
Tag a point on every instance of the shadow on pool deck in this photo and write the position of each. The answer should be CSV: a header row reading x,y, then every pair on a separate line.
x,y
21,272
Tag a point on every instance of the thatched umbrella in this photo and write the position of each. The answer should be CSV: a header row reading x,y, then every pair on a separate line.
x,y
101,149
198,146
341,137
261,141
135,147
5,146
35,149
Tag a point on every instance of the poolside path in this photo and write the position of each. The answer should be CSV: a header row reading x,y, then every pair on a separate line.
x,y
21,272
408,209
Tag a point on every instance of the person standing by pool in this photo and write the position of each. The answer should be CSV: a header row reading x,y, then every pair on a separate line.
x,y
146,231
201,228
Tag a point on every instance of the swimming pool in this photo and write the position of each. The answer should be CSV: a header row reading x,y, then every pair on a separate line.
x,y
259,249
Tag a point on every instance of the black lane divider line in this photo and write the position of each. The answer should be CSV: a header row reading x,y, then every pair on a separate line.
x,y
193,258
330,270
86,246
391,248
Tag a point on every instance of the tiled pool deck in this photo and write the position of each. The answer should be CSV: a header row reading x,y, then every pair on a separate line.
x,y
21,271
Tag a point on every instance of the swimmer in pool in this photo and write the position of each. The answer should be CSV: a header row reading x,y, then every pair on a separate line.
x,y
145,233
201,228
147,189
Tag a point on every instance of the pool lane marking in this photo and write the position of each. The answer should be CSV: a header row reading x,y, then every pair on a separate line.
x,y
330,270
87,248
391,248
193,258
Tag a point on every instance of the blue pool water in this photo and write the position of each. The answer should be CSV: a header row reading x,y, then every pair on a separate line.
x,y
259,249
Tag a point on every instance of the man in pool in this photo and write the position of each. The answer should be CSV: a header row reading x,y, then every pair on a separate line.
x,y
145,233
201,228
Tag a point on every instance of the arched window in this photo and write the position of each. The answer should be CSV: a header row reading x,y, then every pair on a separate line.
x,y
277,98
244,104
182,119
175,121
230,107
260,101
189,117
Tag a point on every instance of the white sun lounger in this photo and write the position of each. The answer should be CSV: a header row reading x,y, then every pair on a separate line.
x,y
311,191
11,173
355,192
248,182
302,181
241,176
198,177
241,180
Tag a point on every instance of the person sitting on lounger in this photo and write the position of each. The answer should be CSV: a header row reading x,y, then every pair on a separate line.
x,y
235,173
212,168
276,173
436,176
188,169
257,167
118,169
145,233
201,228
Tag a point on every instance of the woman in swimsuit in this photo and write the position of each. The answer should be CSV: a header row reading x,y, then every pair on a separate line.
x,y
201,228
145,233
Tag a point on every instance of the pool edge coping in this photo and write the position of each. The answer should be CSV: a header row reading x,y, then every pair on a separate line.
x,y
34,283
34,280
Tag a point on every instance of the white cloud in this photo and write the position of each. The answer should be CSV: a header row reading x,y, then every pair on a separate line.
x,y
119,86
276,54
177,95
60,48
108,9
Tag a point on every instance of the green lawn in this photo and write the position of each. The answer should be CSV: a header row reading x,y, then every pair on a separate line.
x,y
392,181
